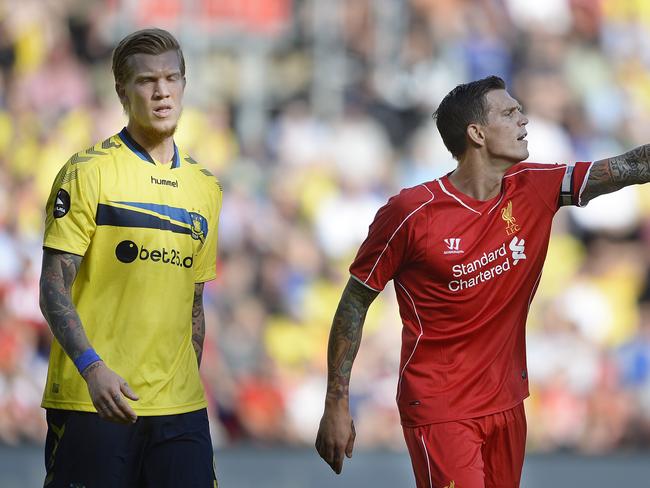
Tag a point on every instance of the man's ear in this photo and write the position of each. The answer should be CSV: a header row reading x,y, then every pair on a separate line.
x,y
121,93
476,134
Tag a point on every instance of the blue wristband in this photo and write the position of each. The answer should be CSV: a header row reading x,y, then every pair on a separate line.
x,y
85,359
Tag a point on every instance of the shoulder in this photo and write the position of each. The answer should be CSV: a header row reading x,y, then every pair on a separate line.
x,y
415,197
535,169
88,162
96,155
203,175
406,206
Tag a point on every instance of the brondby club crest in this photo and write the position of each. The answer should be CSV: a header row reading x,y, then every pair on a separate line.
x,y
511,222
199,226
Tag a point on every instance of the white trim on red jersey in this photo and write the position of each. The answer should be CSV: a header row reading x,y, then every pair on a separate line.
x,y
426,455
398,228
417,341
584,184
364,284
560,166
442,187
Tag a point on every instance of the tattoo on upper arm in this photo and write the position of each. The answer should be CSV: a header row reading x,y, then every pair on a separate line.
x,y
198,322
345,336
608,175
58,273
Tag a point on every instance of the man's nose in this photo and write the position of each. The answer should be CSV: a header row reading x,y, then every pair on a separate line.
x,y
161,89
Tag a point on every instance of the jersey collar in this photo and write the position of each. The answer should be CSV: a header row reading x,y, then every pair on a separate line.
x,y
142,153
479,207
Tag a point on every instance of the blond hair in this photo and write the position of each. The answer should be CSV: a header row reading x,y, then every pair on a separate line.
x,y
145,41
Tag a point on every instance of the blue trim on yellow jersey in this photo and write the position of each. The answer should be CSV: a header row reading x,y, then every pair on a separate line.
x,y
142,153
175,213
123,217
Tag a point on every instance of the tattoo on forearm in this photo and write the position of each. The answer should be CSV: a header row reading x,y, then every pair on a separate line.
x,y
345,337
612,174
198,322
57,275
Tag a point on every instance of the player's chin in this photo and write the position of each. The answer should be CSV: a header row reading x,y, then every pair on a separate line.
x,y
164,129
521,155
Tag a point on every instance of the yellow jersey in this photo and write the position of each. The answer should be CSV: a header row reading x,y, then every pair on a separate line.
x,y
147,233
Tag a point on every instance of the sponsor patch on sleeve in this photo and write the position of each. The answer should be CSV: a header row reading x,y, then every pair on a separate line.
x,y
61,204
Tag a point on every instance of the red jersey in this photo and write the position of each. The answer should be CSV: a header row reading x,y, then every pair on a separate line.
x,y
465,272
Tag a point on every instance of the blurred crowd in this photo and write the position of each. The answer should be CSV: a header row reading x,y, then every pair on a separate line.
x,y
311,117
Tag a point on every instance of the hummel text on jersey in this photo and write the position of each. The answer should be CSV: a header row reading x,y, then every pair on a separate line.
x,y
162,181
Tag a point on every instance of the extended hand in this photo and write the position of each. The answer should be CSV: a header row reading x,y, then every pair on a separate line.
x,y
335,436
107,391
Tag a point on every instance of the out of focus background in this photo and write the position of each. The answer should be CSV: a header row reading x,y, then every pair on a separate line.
x,y
312,113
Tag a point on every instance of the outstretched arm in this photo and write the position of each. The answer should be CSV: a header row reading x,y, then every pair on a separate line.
x,y
611,174
58,273
198,322
336,432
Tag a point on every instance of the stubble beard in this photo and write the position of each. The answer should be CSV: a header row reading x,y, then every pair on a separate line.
x,y
154,135
157,136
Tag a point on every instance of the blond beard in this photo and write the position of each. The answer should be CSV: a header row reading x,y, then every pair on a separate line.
x,y
152,135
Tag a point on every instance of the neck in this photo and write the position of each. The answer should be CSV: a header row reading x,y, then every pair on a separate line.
x,y
159,146
479,178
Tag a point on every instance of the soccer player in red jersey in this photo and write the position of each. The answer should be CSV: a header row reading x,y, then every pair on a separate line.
x,y
465,253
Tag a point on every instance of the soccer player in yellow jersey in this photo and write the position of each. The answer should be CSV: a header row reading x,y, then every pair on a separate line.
x,y
130,240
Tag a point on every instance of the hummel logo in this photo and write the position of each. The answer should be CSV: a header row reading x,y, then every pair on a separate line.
x,y
453,245
517,246
162,181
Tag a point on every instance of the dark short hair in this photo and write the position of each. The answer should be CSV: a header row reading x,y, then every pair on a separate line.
x,y
145,41
462,106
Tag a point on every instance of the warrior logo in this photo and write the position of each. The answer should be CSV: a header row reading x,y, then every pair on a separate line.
x,y
453,245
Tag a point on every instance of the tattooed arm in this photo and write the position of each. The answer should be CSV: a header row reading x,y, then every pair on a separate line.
x,y
198,322
58,273
608,175
336,432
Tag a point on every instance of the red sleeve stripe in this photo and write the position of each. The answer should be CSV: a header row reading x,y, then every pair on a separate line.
x,y
398,228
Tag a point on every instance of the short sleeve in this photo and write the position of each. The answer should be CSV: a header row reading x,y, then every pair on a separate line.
x,y
390,236
71,208
573,184
206,258
558,184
